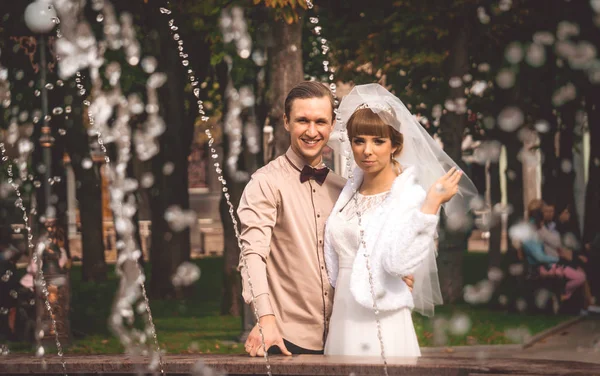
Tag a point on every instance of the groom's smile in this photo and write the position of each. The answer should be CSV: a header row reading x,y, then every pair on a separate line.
x,y
311,142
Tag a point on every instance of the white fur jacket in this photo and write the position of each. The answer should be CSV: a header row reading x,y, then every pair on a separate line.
x,y
398,238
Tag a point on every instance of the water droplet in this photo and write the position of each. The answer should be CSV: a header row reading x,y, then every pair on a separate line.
x,y
542,126
510,119
460,324
147,180
197,92
49,86
165,10
314,20
185,63
176,37
566,166
37,93
536,55
133,60
57,111
86,163
62,131
514,53
168,168
100,17
455,82
505,79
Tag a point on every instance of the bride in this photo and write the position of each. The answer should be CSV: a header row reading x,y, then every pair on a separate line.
x,y
383,225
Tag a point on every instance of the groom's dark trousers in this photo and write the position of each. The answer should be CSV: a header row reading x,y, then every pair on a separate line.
x,y
296,350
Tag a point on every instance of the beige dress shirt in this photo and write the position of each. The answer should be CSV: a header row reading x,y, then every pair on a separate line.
x,y
282,229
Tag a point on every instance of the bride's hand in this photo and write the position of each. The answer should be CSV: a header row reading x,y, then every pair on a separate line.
x,y
442,191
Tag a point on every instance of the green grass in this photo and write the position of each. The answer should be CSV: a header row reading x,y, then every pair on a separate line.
x,y
487,326
195,326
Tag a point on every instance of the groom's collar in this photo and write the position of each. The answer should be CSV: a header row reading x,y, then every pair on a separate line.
x,y
297,162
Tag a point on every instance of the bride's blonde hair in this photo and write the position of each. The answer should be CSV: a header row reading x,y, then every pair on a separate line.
x,y
365,122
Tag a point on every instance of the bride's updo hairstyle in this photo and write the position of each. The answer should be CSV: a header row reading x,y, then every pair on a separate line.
x,y
365,122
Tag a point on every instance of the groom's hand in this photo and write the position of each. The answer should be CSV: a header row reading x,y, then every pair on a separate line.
x,y
410,281
271,334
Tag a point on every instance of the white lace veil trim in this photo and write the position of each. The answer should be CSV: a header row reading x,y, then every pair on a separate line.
x,y
421,151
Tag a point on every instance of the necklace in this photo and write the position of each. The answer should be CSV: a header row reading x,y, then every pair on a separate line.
x,y
362,244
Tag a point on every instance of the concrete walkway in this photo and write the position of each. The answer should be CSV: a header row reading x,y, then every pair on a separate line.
x,y
575,340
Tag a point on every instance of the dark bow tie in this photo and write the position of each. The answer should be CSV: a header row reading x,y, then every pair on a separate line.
x,y
319,174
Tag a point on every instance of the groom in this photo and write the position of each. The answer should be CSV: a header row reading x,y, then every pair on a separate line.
x,y
282,212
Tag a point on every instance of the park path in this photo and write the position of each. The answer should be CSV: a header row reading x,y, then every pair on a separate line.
x,y
574,340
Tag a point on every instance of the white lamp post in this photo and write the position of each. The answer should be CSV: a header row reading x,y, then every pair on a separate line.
x,y
40,17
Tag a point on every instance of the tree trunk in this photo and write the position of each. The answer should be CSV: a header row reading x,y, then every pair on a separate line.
x,y
549,161
514,186
285,71
169,248
546,77
566,173
453,244
89,197
231,303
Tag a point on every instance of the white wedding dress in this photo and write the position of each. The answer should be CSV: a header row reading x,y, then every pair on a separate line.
x,y
352,327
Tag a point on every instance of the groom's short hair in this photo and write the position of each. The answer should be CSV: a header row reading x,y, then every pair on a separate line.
x,y
308,90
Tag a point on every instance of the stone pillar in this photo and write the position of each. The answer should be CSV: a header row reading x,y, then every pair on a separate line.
x,y
531,160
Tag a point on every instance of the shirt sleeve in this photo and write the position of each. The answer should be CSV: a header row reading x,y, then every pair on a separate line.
x,y
535,250
257,212
550,238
